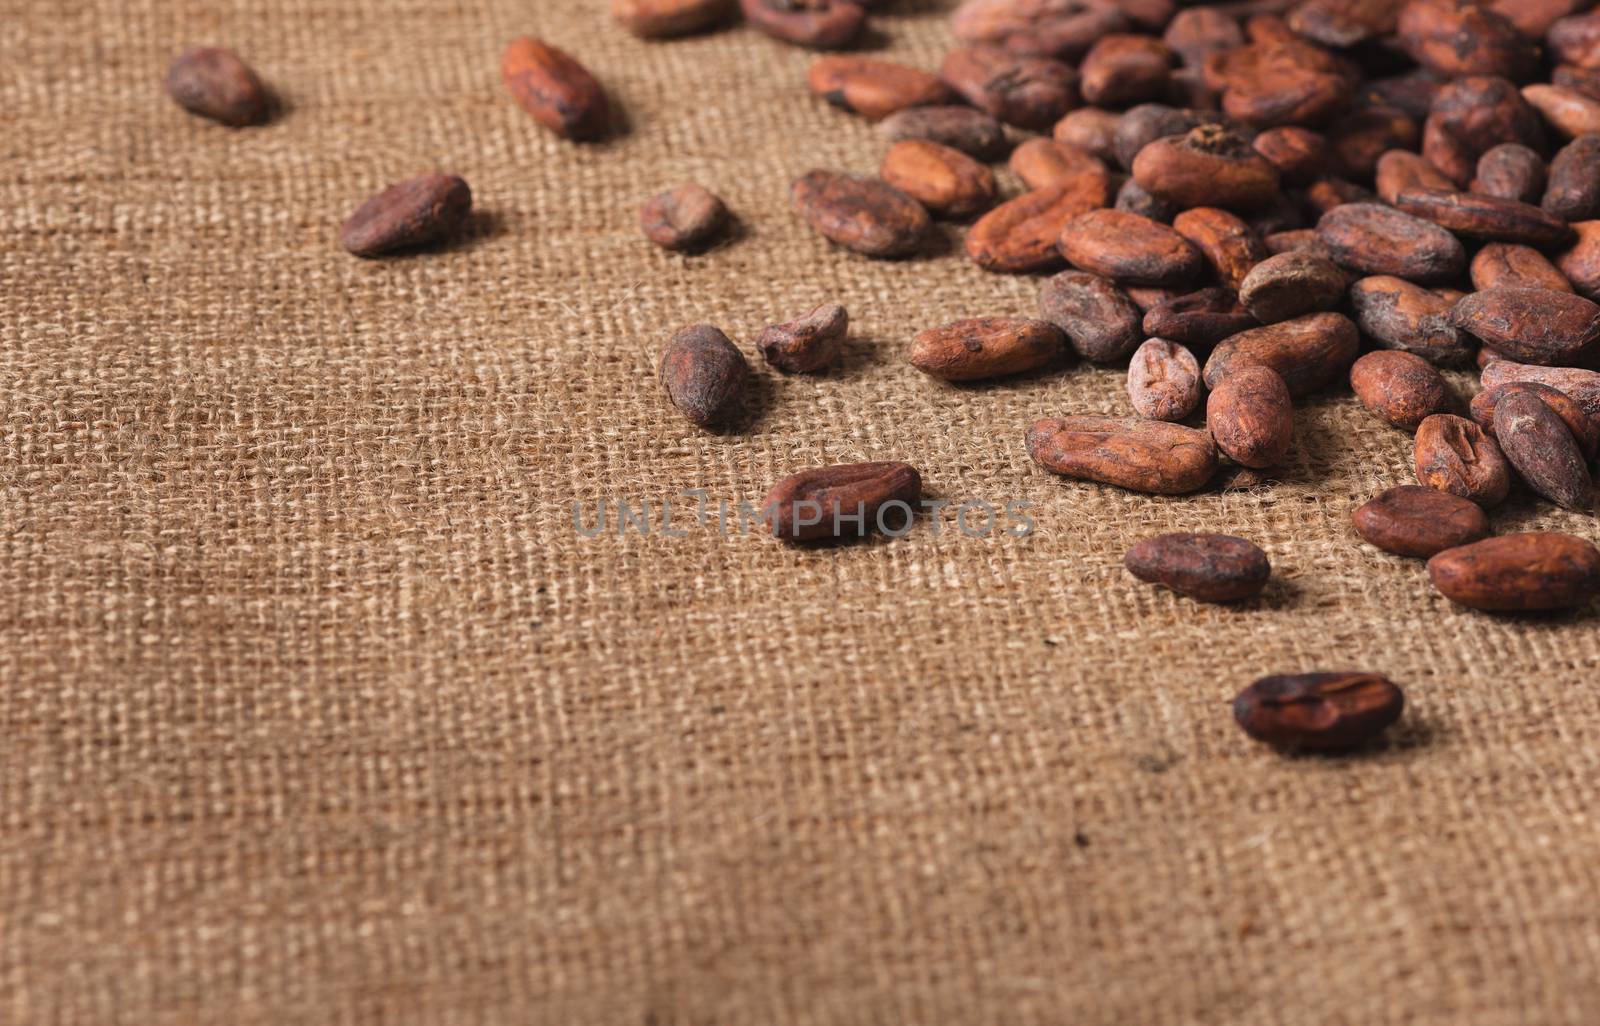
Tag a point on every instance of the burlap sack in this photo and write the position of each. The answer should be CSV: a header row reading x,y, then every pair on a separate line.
x,y
317,708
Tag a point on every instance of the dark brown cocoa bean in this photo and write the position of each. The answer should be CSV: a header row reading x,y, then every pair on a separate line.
x,y
1100,321
1541,326
1376,239
1140,455
1399,315
1144,124
1281,81
1585,81
1044,162
1045,28
971,131
1163,380
214,83
862,214
817,24
1318,712
1228,244
1452,38
1472,115
683,218
1029,92
414,213
1454,455
1582,385
1299,154
944,180
1344,23
1205,567
840,501
704,375
1289,285
1538,444
807,344
1326,193
1584,427
875,89
1251,417
985,347
1134,200
1121,70
1128,248
1568,111
1090,129
1411,520
1510,171
1574,189
1359,138
1486,217
1210,166
1533,18
1576,40
1308,352
1201,318
1518,573
1022,234
1507,265
1297,240
552,86
1413,92
663,19
1401,389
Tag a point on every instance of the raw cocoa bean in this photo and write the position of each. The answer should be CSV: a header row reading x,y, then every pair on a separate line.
x,y
1251,417
1581,263
1471,115
414,213
1163,380
817,24
1201,318
806,344
1452,38
1412,91
1568,111
1582,385
1486,217
1029,92
1398,171
1585,428
1289,285
1576,40
1227,243
1144,124
1196,33
1580,80
1359,138
875,89
1541,326
1277,82
1454,455
1399,315
1308,352
1344,23
1134,200
1121,70
553,87
1146,298
684,218
1021,234
1506,265
1046,28
1411,520
1100,321
1297,240
971,131
1140,455
704,374
985,347
1044,162
1400,388
1299,154
1326,193
1510,171
1517,573
1210,166
870,217
215,83
1574,189
1538,444
944,180
663,19
1375,239
1205,567
1128,248
1090,129
841,501
1318,712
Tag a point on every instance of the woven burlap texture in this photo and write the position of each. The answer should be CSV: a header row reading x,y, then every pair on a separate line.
x,y
317,709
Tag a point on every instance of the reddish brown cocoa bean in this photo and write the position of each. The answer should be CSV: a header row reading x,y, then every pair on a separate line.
x,y
1090,129
1144,124
1201,318
1581,262
1318,712
1121,70
1398,171
1140,455
1299,154
1297,240
1505,264
1401,389
1022,234
1533,18
1205,567
1452,38
1582,385
1163,380
971,131
1580,80
817,24
875,89
1289,285
1308,352
414,213
704,375
1568,111
1030,92
663,19
1584,427
1576,40
1471,115
1210,166
1128,248
1518,573
1046,28
1227,243
1251,417
841,501
1359,138
1510,171
1196,33
1100,320
215,83
683,218
1399,315
944,180
1412,92
1538,444
1132,199
1375,239
807,344
1573,193
861,214
1325,194
1486,217
1344,23
1411,520
1454,455
1539,326
1044,162
1280,82
985,347
553,87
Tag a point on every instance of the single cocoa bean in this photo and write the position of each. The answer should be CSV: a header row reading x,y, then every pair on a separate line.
x,y
1400,388
1045,28
1319,712
1573,193
944,180
1412,91
816,24
1196,33
1163,380
1128,248
663,19
1210,166
1507,265
971,131
1299,154
1399,315
1030,92
875,89
1289,285
1510,171
1582,385
704,375
552,86
1486,217
683,218
1452,38
1568,111
1454,455
985,347
215,83
1326,193
1344,23
1308,352
1280,81
1411,520
1584,427
870,217
807,344
1041,163
1201,318
1140,455
840,501
414,213
1100,320
1090,129
1251,417
1533,18
1122,70
1398,171
1375,239
1518,573
1228,244
1134,200
1144,124
1205,567
1576,40
1021,234
1581,263
1541,326
1538,444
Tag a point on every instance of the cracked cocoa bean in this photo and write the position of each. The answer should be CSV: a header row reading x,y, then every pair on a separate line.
x,y
1454,455
807,344
1319,712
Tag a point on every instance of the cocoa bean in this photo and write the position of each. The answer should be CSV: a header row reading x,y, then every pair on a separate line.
x,y
1581,263
1576,40
1541,326
1201,318
1196,33
1411,520
1452,38
215,83
875,89
1318,712
684,218
704,375
1100,321
1398,171
1029,92
1163,380
862,214
1308,352
1399,315
1210,166
1251,417
807,344
971,131
1400,388
1289,285
1454,455
663,19
1122,70
1205,567
985,347
1517,573
1128,248
1375,239
1486,217
1045,162
1090,129
1472,115
553,87
414,213
817,24
1574,188
1361,137
1584,427
1140,455
840,501
1582,385
1022,234
1506,265
1510,171
1142,125
1344,23
1134,200
1046,28
1227,243
944,180
1568,111
1538,444
1299,154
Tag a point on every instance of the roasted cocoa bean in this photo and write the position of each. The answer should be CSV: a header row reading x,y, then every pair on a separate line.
x,y
1486,217
1140,455
553,87
1163,380
1376,239
1584,427
1344,23
1471,115
1454,455
1205,567
1090,129
1541,326
971,131
985,347
1576,40
1100,321
807,344
1573,193
1144,124
1398,171
1568,111
1538,444
1506,265
1022,234
846,500
1041,163
944,180
1518,573
1308,352
1510,171
414,213
1046,28
1533,18
704,375
1411,520
1196,33
1210,166
817,24
1401,389
1030,92
1581,263
1201,318
1280,81
1228,244
1582,385
1452,38
1289,285
1299,154
1359,138
875,89
215,83
1318,712
663,19
1399,315
1326,193
683,218
1128,248
1134,200
870,217
1251,417
1122,70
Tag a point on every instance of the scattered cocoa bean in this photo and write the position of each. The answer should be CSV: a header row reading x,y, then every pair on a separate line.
x,y
817,24
1099,319
1128,248
1205,567
1359,138
553,87
684,218
1090,129
807,344
705,375
1376,239
1308,352
1289,285
1121,70
873,88
1251,417
1299,154
663,19
1486,217
1517,573
944,180
1573,193
971,131
1319,712
1210,166
985,347
1411,520
1029,92
1399,171
1538,444
1163,380
414,213
1452,38
1568,111
846,500
1228,244
1454,455
1541,326
215,83
868,216
1582,385
1399,315
1584,427
1510,171
1050,28
1041,163
1400,388
1140,455
1201,318
1507,265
